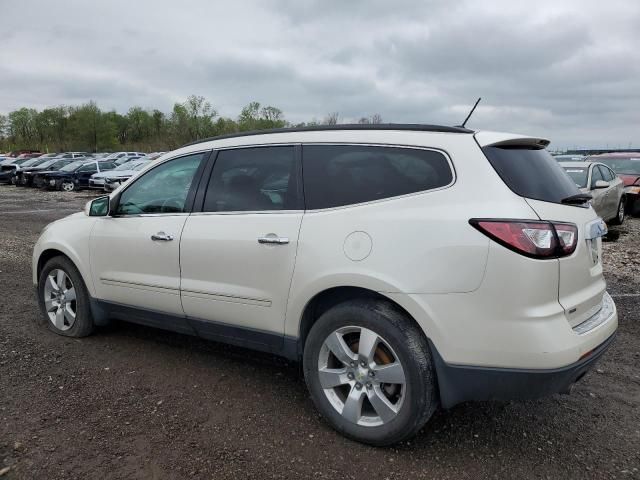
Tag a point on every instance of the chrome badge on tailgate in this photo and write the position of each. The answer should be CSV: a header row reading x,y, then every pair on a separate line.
x,y
593,231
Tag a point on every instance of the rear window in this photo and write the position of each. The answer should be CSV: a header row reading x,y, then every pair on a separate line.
x,y
629,165
336,175
578,175
531,173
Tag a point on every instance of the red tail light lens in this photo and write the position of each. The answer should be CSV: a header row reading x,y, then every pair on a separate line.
x,y
531,238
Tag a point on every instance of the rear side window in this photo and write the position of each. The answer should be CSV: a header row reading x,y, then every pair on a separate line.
x,y
337,175
531,173
253,180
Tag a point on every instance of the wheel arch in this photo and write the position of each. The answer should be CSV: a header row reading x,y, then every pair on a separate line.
x,y
330,297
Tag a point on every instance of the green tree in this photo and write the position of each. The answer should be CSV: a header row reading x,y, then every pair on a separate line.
x,y
92,129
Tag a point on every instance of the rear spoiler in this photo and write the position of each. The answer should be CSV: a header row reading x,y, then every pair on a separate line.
x,y
499,139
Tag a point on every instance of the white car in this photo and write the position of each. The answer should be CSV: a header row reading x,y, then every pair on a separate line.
x,y
125,169
118,177
405,266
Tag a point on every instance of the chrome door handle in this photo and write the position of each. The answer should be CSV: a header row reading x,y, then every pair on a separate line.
x,y
272,239
161,236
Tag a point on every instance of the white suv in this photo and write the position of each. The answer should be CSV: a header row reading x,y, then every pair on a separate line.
x,y
406,266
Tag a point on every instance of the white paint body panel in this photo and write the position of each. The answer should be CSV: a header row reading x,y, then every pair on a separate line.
x,y
228,277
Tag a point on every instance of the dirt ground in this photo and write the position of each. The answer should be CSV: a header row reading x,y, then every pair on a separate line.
x,y
133,402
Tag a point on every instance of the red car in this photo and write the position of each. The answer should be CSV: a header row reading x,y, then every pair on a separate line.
x,y
627,166
17,153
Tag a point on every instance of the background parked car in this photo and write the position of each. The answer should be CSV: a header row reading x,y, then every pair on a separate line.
x,y
627,167
114,179
78,178
569,158
603,185
7,170
28,175
97,179
40,177
18,178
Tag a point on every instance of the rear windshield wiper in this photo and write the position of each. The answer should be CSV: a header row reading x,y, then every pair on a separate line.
x,y
577,199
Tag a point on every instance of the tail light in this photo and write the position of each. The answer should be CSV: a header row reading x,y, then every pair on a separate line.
x,y
534,239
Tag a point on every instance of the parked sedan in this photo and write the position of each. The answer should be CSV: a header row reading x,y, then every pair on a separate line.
x,y
8,169
33,164
37,177
97,179
68,179
603,185
627,166
115,179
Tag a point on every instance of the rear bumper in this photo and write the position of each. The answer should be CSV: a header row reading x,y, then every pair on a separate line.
x,y
460,383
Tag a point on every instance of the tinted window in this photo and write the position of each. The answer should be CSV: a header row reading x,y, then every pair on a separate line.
x,y
606,173
595,176
163,189
531,173
253,179
336,175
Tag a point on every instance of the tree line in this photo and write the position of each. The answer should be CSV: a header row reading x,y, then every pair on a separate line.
x,y
88,128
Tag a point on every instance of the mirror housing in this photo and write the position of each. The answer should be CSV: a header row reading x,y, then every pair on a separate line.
x,y
600,184
98,207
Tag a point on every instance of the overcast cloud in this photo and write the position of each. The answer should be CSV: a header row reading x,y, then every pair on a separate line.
x,y
569,70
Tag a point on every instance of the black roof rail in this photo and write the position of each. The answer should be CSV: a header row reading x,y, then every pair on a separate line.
x,y
418,127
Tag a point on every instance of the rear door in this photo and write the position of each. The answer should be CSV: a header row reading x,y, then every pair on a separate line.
x,y
533,174
237,255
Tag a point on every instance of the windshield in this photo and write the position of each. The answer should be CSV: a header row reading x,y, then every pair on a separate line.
x,y
578,175
139,166
629,165
123,166
44,163
531,173
72,166
56,164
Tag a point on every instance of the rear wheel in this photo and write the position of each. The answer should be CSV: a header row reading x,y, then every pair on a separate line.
x,y
63,299
369,372
619,218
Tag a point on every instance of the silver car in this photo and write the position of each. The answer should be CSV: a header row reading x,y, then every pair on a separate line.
x,y
602,183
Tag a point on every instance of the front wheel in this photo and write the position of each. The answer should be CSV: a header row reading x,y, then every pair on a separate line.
x,y
67,186
63,299
369,371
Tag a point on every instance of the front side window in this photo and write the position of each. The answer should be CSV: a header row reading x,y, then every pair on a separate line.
x,y
336,175
253,179
163,189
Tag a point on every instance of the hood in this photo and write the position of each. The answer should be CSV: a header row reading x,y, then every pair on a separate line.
x,y
58,173
629,178
121,174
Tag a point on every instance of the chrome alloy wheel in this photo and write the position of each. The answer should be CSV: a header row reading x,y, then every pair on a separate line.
x,y
60,299
361,376
67,186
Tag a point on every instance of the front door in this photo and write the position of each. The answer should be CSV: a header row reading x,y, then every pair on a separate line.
x,y
135,254
238,254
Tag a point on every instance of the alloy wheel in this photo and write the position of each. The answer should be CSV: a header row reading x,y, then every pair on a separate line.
x,y
67,186
361,376
60,299
621,212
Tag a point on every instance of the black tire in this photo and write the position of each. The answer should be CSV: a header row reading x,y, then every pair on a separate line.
x,y
70,186
410,346
83,324
620,216
633,207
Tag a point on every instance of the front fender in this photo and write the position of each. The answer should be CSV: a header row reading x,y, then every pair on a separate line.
x,y
69,236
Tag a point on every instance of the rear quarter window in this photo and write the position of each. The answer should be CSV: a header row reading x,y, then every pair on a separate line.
x,y
531,173
338,175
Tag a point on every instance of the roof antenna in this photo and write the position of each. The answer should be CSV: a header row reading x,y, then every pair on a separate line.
x,y
471,112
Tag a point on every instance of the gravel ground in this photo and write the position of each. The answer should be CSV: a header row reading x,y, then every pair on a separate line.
x,y
133,402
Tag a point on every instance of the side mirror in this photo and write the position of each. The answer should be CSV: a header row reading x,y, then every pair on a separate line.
x,y
600,184
98,207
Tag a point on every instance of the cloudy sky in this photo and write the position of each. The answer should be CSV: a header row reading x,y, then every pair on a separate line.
x,y
568,70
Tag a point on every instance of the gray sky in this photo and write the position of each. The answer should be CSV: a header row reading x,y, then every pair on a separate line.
x,y
568,70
